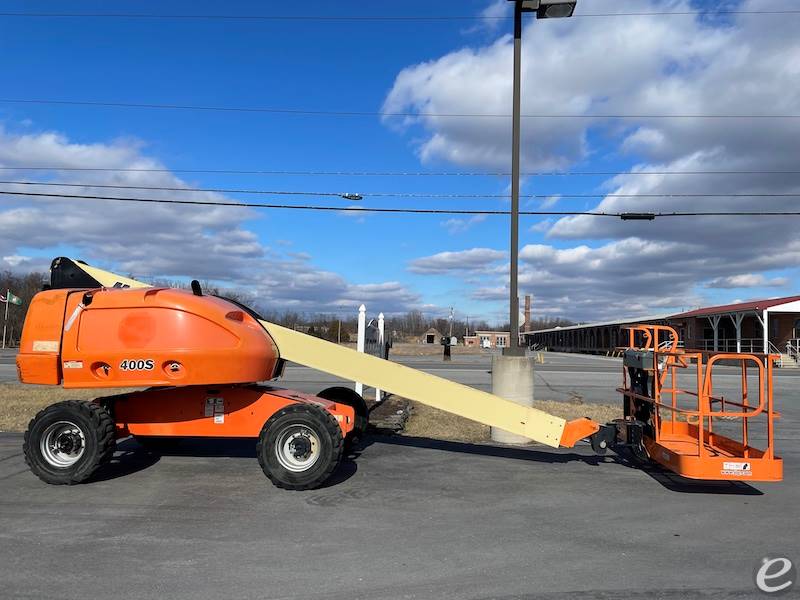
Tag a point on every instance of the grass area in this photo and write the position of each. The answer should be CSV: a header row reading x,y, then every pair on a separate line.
x,y
19,403
433,423
405,349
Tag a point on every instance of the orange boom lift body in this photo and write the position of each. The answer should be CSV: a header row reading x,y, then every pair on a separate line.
x,y
205,352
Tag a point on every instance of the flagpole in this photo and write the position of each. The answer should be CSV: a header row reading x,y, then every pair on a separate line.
x,y
5,321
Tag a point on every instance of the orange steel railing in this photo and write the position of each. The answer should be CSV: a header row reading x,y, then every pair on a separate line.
x,y
696,438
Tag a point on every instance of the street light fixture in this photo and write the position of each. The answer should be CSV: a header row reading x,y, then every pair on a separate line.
x,y
544,9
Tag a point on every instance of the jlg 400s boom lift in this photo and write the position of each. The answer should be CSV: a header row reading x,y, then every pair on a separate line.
x,y
201,359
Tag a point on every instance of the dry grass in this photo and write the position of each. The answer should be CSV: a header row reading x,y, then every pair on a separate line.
x,y
433,423
19,403
406,349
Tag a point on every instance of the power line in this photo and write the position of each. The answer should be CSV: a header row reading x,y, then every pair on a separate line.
x,y
364,113
391,173
434,211
388,194
375,18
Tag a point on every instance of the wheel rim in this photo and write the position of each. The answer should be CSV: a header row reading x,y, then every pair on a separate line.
x,y
297,448
63,444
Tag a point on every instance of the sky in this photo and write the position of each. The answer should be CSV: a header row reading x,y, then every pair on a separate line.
x,y
590,70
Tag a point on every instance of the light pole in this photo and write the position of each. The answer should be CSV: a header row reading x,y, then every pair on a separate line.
x,y
544,9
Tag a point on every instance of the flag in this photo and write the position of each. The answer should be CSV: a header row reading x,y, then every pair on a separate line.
x,y
11,298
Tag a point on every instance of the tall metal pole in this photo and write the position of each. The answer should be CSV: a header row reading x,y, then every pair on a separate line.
x,y
5,321
513,348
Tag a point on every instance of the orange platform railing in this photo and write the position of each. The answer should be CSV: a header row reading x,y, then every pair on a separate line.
x,y
695,431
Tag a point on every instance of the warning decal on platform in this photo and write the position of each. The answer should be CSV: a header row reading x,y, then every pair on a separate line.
x,y
736,468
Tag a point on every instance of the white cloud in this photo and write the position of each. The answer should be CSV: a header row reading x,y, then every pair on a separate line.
x,y
493,15
455,226
473,260
645,66
747,280
16,260
550,201
542,226
161,241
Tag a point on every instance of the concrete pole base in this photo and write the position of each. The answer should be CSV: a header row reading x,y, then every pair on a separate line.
x,y
512,379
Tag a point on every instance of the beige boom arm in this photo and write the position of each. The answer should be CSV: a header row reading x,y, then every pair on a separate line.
x,y
407,382
416,385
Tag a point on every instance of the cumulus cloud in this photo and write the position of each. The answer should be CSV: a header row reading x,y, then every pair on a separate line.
x,y
466,261
649,65
455,226
746,280
159,241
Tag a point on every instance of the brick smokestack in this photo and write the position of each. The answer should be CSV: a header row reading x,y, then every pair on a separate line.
x,y
527,326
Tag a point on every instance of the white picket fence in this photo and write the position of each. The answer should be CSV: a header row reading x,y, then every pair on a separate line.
x,y
371,340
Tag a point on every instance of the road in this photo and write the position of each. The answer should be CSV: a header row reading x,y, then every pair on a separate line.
x,y
405,518
8,367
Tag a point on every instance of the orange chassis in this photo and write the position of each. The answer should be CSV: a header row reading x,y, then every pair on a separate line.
x,y
207,411
695,432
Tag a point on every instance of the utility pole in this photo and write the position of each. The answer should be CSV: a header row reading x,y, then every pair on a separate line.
x,y
5,321
512,372
451,321
513,348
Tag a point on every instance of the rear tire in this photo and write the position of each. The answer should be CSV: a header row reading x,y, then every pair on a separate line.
x,y
348,397
299,447
67,442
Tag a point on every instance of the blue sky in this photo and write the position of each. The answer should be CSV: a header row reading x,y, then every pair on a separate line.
x,y
407,67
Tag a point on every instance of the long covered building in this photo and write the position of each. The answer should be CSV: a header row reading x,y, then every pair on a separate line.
x,y
770,325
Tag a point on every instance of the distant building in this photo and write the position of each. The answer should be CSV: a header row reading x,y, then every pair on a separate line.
x,y
432,336
487,339
769,325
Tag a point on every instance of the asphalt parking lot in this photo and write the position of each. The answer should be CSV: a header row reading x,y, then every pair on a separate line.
x,y
403,518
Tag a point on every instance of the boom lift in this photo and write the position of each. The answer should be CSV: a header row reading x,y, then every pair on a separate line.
x,y
201,359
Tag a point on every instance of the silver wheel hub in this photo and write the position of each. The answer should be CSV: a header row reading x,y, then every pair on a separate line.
x,y
63,444
297,448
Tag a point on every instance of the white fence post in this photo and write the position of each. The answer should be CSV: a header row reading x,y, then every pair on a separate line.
x,y
381,348
362,332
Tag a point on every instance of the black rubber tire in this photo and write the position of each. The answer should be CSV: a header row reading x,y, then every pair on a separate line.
x,y
97,428
327,430
348,397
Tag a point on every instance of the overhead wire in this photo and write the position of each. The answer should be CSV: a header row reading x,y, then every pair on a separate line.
x,y
385,173
376,18
623,215
367,194
367,113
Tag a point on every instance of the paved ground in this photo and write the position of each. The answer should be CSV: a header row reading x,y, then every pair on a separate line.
x,y
8,368
407,518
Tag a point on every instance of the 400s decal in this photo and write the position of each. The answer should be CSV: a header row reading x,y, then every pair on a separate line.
x,y
141,364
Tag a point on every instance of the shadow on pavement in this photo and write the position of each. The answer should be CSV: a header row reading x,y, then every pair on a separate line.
x,y
128,459
133,455
525,453
668,479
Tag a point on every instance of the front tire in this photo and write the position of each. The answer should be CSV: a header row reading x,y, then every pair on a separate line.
x,y
67,442
348,397
299,447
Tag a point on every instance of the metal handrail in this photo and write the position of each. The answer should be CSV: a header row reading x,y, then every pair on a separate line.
x,y
774,349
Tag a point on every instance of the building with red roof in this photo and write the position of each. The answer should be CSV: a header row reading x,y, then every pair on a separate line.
x,y
768,325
